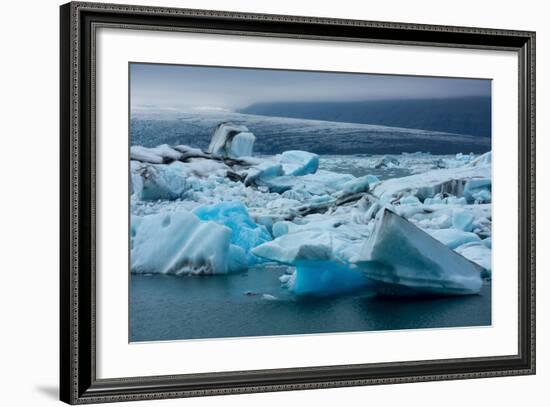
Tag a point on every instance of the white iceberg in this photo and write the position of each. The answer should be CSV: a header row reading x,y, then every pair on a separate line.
x,y
479,253
404,260
289,248
478,190
179,243
410,200
152,182
483,160
298,163
231,140
357,185
448,181
452,238
261,173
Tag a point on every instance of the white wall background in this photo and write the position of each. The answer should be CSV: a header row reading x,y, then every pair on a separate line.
x,y
29,202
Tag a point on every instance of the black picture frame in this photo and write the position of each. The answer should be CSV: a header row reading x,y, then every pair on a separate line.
x,y
78,382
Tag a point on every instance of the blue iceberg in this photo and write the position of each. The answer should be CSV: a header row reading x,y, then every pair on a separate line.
x,y
245,233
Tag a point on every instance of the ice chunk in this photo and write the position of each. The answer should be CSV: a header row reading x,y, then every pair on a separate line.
x,y
410,200
320,183
357,185
297,162
328,181
453,238
372,179
288,249
162,154
231,140
237,259
428,184
280,228
264,171
152,182
244,232
482,160
325,278
242,145
204,167
404,260
478,190
179,243
269,297
463,220
319,258
387,162
479,253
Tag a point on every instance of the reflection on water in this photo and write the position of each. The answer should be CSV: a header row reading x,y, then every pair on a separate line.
x,y
237,305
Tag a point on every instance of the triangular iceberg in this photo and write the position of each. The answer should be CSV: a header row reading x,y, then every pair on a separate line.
x,y
404,260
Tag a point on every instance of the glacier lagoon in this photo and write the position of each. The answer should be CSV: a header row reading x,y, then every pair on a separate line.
x,y
165,307
226,243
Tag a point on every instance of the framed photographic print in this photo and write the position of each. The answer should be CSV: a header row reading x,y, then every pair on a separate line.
x,y
255,203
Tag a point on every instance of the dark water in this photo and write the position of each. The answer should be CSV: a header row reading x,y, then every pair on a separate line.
x,y
192,307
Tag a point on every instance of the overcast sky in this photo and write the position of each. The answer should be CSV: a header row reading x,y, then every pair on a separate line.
x,y
184,87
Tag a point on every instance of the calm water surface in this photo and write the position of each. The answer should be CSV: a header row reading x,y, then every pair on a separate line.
x,y
192,307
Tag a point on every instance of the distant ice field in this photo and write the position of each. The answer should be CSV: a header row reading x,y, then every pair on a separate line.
x,y
276,134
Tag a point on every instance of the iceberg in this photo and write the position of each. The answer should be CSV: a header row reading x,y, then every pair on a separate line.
x,y
447,181
357,185
245,233
314,278
479,253
298,163
289,248
231,140
318,258
452,238
483,160
151,182
261,173
404,260
179,243
463,220
242,145
410,200
478,190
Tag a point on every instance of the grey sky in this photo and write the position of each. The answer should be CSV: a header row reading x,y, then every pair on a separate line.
x,y
196,87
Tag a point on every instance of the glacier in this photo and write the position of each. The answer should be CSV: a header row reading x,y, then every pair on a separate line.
x,y
401,224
